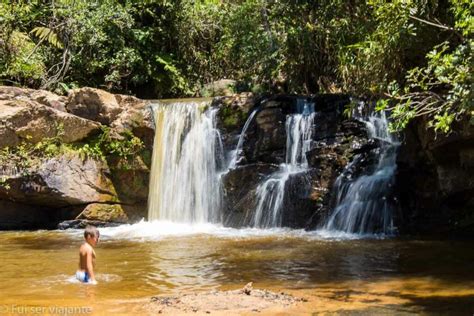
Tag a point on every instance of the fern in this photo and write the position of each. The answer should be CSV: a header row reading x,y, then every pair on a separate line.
x,y
47,34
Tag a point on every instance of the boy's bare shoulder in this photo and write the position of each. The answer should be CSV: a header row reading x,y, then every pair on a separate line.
x,y
86,248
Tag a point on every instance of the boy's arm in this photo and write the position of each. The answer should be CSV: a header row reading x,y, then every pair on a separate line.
x,y
90,267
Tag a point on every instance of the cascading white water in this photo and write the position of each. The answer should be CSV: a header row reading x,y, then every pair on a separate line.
x,y
363,205
184,184
271,193
235,154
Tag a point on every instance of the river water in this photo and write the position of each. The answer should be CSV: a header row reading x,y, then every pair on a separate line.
x,y
137,261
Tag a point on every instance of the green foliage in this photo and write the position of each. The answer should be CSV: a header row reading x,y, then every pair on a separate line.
x,y
47,34
417,54
442,89
122,147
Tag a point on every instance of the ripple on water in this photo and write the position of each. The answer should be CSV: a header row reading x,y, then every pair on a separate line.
x,y
71,279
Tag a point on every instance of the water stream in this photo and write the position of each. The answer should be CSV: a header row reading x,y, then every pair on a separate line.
x,y
363,205
271,193
237,152
184,184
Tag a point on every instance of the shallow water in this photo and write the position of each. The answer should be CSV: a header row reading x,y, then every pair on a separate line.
x,y
137,261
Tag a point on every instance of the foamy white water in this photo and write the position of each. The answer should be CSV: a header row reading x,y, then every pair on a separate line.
x,y
363,205
184,181
236,154
271,192
158,230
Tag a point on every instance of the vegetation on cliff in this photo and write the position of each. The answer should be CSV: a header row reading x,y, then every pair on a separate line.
x,y
417,55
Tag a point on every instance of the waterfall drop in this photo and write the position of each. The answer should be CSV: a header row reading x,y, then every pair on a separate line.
x,y
363,205
271,193
235,154
184,184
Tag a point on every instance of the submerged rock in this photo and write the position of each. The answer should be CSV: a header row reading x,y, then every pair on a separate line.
x,y
104,212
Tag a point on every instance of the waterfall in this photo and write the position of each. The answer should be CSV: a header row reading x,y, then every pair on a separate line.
x,y
271,193
235,154
187,152
363,204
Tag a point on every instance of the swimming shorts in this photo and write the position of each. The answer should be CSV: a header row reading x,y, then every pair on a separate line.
x,y
82,276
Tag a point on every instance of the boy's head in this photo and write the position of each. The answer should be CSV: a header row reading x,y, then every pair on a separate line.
x,y
91,235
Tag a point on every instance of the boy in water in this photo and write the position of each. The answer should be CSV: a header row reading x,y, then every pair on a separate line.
x,y
87,256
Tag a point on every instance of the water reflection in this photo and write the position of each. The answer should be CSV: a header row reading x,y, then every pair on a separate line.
x,y
38,266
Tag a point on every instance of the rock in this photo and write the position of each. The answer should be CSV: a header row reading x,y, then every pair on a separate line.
x,y
41,96
61,181
131,184
240,186
14,215
267,140
93,104
104,212
82,223
121,112
248,288
434,179
232,115
223,87
27,120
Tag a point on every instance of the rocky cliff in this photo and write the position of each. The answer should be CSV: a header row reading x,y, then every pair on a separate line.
x,y
85,158
82,158
336,139
435,179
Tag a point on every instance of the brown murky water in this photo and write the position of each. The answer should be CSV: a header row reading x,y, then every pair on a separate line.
x,y
135,262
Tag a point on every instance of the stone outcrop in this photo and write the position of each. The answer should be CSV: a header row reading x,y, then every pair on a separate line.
x,y
60,182
31,121
93,104
40,96
435,181
336,140
40,191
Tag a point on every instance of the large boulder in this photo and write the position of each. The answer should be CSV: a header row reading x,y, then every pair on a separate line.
x,y
240,187
32,121
60,182
122,113
434,179
93,104
41,96
223,87
104,212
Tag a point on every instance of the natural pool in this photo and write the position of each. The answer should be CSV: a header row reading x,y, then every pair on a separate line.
x,y
135,262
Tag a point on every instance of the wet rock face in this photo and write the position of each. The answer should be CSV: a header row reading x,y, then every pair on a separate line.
x,y
435,181
240,185
336,140
266,139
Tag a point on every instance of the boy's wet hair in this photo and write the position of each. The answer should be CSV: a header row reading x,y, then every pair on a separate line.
x,y
91,231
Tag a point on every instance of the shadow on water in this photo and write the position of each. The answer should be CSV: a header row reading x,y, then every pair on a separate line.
x,y
442,305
